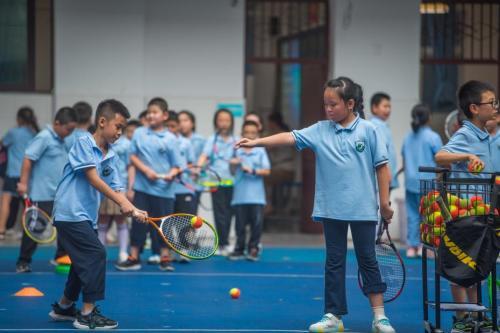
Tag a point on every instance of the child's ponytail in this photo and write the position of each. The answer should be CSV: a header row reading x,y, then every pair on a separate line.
x,y
27,117
420,115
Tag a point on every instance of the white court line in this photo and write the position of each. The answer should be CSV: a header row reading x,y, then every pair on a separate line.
x,y
257,275
153,330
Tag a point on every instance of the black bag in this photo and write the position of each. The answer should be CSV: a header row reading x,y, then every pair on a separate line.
x,y
3,161
468,250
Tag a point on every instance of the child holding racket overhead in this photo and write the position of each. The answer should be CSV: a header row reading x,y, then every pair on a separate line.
x,y
155,155
351,161
41,171
218,151
91,169
249,196
471,145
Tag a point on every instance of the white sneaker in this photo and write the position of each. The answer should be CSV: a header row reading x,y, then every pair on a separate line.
x,y
328,324
222,251
382,325
122,256
154,260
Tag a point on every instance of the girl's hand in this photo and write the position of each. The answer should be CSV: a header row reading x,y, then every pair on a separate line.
x,y
130,194
140,215
151,175
245,143
22,189
246,169
387,212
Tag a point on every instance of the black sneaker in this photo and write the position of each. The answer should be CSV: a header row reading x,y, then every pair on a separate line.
x,y
60,314
131,264
464,325
94,320
166,264
23,267
236,255
253,254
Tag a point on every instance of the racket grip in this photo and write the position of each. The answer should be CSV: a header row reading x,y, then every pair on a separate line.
x,y
433,169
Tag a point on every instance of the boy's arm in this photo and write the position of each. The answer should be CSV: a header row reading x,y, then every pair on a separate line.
x,y
281,139
119,198
150,173
445,158
22,186
131,180
384,180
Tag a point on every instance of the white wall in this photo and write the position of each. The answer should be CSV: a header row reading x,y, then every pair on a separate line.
x,y
11,102
377,44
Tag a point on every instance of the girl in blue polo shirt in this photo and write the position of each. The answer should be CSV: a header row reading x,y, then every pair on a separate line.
x,y
218,151
419,148
351,161
16,140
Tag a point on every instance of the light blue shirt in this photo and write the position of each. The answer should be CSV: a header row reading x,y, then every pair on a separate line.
x,y
187,157
469,139
346,159
122,149
75,135
391,150
248,188
159,151
76,200
495,151
418,150
16,140
197,142
219,153
48,153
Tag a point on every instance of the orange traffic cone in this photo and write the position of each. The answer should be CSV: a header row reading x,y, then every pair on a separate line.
x,y
29,292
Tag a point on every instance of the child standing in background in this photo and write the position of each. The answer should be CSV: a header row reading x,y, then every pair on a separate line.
x,y
419,148
351,162
249,196
109,211
156,157
84,122
381,110
218,151
16,140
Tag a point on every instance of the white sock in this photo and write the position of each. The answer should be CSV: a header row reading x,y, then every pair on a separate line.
x,y
378,312
87,313
102,230
65,306
123,236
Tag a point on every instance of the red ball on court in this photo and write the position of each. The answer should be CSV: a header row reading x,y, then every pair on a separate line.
x,y
235,293
196,222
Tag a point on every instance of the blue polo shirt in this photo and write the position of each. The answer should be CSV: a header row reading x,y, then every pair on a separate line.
x,y
418,150
197,142
495,151
470,139
391,150
187,157
48,153
346,158
122,149
219,153
75,135
16,140
76,200
159,151
248,188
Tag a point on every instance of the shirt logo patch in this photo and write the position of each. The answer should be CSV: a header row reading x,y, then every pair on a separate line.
x,y
107,171
360,146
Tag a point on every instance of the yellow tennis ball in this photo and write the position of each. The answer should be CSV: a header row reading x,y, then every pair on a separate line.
x,y
235,293
196,222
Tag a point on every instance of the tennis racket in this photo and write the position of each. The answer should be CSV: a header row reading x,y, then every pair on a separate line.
x,y
192,242
198,179
392,268
451,124
37,224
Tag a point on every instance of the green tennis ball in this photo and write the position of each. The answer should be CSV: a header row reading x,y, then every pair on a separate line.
x,y
196,222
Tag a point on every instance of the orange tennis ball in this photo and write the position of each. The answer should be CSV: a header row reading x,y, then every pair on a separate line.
x,y
196,222
475,168
235,293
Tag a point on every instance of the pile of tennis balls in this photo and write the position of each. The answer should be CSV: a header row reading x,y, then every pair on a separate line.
x,y
432,226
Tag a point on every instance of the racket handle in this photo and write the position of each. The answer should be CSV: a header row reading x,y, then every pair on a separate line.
x,y
433,169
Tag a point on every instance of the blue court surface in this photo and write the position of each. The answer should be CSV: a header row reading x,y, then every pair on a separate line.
x,y
281,293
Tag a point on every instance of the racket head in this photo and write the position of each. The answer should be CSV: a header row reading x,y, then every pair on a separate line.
x,y
186,240
198,179
390,263
451,124
38,225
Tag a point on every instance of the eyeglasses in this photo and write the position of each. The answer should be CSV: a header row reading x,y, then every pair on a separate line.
x,y
494,103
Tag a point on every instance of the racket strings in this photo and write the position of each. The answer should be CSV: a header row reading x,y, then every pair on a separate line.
x,y
391,270
183,238
200,179
38,225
